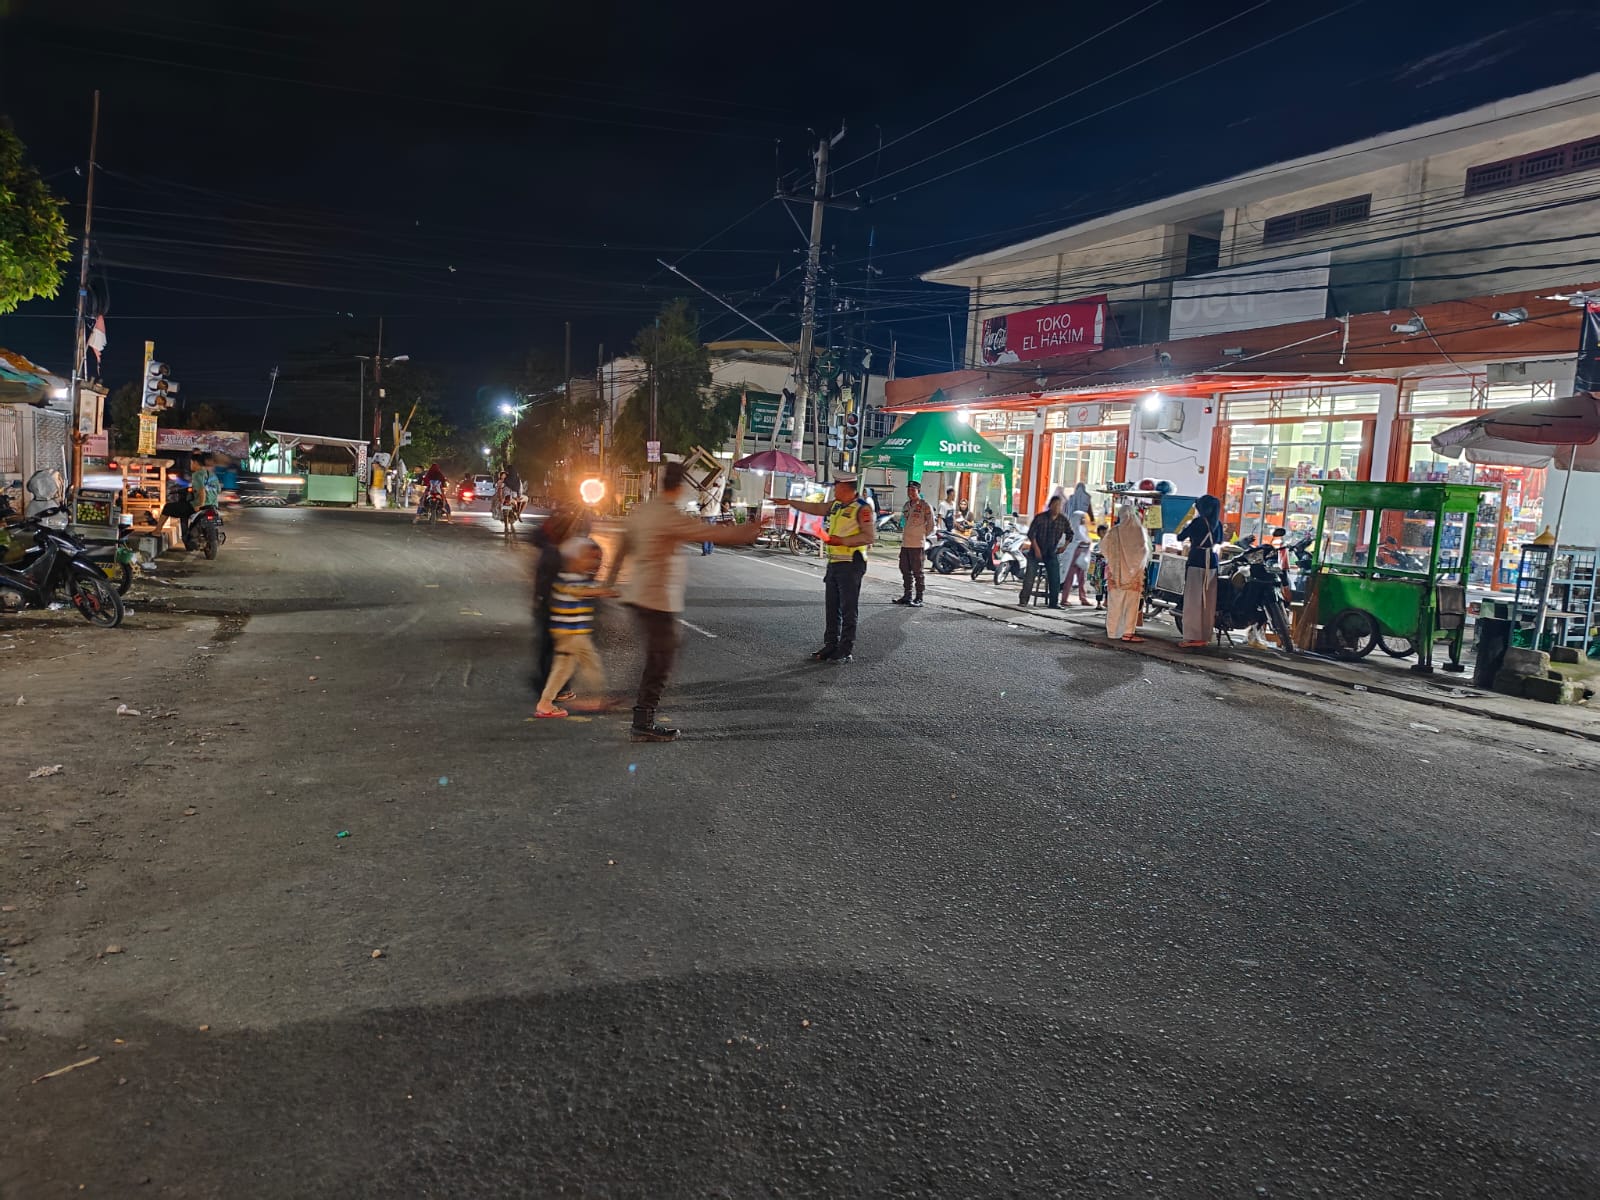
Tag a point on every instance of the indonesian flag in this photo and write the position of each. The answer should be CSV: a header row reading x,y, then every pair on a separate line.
x,y
97,339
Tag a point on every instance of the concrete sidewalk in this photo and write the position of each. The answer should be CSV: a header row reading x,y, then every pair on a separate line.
x,y
1376,674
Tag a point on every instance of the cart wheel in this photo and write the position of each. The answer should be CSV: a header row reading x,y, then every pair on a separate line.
x,y
1350,635
1396,647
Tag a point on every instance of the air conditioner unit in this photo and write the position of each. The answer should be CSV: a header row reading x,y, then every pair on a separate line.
x,y
1166,417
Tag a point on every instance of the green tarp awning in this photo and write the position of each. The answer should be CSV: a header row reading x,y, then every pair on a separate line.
x,y
939,441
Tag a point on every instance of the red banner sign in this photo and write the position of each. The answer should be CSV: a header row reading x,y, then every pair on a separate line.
x,y
1049,332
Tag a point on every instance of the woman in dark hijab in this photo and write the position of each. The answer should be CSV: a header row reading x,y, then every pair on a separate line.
x,y
1203,535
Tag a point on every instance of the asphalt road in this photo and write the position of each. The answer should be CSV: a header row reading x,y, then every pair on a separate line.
x,y
984,913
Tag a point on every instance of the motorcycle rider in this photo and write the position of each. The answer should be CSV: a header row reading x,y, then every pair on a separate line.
x,y
205,491
433,485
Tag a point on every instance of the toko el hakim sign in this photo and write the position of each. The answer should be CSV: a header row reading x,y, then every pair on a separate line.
x,y
1048,332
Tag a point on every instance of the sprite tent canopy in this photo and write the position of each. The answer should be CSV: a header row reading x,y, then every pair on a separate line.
x,y
939,441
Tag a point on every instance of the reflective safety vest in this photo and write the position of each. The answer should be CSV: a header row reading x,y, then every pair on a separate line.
x,y
844,520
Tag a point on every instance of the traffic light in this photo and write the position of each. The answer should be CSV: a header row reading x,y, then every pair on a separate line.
x,y
158,388
852,432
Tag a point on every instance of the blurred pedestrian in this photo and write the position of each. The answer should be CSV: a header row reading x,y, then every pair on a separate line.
x,y
1077,558
1080,501
1203,534
655,534
1126,551
916,527
848,528
555,529
573,598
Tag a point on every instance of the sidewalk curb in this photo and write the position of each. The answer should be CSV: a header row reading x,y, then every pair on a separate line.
x,y
1226,664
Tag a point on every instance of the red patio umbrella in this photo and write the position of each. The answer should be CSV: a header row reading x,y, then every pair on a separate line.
x,y
773,462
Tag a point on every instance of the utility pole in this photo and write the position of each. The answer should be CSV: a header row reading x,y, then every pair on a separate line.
x,y
80,344
655,355
377,388
603,412
808,310
272,387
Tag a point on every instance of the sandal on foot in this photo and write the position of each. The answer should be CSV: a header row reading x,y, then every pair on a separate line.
x,y
554,712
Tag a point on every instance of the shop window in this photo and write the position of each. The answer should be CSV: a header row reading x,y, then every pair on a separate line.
x,y
1346,534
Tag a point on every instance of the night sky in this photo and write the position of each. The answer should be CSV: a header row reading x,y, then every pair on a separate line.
x,y
276,175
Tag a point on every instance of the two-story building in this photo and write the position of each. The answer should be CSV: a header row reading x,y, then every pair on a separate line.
x,y
1318,318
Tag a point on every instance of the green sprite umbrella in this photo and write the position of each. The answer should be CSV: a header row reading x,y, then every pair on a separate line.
x,y
940,441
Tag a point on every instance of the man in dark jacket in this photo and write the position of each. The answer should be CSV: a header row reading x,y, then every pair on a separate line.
x,y
1045,535
557,528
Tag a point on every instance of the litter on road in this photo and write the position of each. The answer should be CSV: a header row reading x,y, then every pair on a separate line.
x,y
84,1062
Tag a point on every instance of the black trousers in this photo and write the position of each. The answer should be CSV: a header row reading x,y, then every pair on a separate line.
x,y
911,569
842,599
660,630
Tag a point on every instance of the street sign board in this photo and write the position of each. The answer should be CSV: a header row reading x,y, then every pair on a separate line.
x,y
652,452
147,434
762,410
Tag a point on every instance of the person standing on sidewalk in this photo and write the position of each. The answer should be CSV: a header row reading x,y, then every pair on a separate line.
x,y
1126,551
1203,535
1077,558
947,510
1080,501
848,528
916,527
653,540
1047,535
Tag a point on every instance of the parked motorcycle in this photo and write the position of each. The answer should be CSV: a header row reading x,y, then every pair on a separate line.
x,y
951,552
1004,555
115,558
55,566
204,530
1250,590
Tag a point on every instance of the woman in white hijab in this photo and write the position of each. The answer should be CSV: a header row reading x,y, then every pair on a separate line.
x,y
1126,548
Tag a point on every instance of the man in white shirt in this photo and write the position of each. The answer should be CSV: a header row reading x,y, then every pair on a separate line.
x,y
653,540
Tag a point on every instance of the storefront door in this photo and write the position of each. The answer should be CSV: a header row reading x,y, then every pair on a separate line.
x,y
1095,458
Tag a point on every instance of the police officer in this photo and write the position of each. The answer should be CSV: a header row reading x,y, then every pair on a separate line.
x,y
848,528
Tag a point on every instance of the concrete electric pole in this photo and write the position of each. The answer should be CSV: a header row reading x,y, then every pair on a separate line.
x,y
808,309
80,344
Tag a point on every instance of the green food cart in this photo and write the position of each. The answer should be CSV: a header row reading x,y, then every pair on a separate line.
x,y
1390,566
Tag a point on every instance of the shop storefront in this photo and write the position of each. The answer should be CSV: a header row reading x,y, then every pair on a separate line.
x,y
1429,407
1085,444
1267,449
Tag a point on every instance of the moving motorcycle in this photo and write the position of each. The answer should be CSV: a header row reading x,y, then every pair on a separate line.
x,y
55,564
433,508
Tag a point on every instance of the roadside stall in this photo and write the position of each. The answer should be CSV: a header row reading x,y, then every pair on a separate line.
x,y
334,469
1387,567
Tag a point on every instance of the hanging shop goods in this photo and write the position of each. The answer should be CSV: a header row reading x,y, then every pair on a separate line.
x,y
1388,564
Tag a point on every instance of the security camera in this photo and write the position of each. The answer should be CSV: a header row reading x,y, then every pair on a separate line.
x,y
1163,358
1512,316
1415,325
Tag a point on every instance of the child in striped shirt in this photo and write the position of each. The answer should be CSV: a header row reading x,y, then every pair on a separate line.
x,y
573,597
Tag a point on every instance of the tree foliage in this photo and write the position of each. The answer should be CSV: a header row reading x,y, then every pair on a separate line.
x,y
122,417
34,245
555,436
687,412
